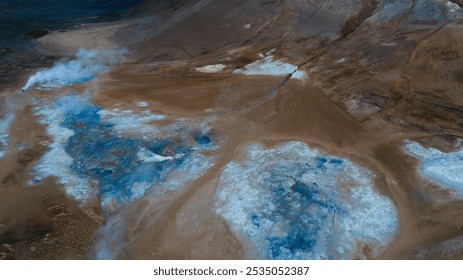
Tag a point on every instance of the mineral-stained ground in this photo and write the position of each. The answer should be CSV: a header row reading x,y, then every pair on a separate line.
x,y
213,129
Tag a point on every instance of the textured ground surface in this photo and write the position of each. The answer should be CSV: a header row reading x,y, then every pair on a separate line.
x,y
209,129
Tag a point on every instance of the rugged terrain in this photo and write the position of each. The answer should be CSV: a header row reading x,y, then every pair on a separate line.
x,y
363,88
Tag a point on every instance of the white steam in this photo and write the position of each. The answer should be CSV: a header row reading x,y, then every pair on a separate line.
x,y
111,238
5,124
12,104
206,124
83,68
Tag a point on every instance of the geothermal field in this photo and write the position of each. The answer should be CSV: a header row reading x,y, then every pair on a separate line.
x,y
213,129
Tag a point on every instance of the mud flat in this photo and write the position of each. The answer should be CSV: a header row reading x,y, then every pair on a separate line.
x,y
240,130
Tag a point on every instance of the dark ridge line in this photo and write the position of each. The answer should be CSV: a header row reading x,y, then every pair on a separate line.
x,y
354,22
458,2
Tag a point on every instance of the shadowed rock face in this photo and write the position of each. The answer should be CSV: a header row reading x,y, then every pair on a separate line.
x,y
427,11
292,129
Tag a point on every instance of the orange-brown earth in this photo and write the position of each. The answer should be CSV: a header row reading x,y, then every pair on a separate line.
x,y
375,77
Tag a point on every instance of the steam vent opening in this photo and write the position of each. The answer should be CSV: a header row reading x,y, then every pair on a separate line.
x,y
203,139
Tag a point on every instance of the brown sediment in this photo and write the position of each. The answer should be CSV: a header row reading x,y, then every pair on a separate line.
x,y
39,221
368,89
